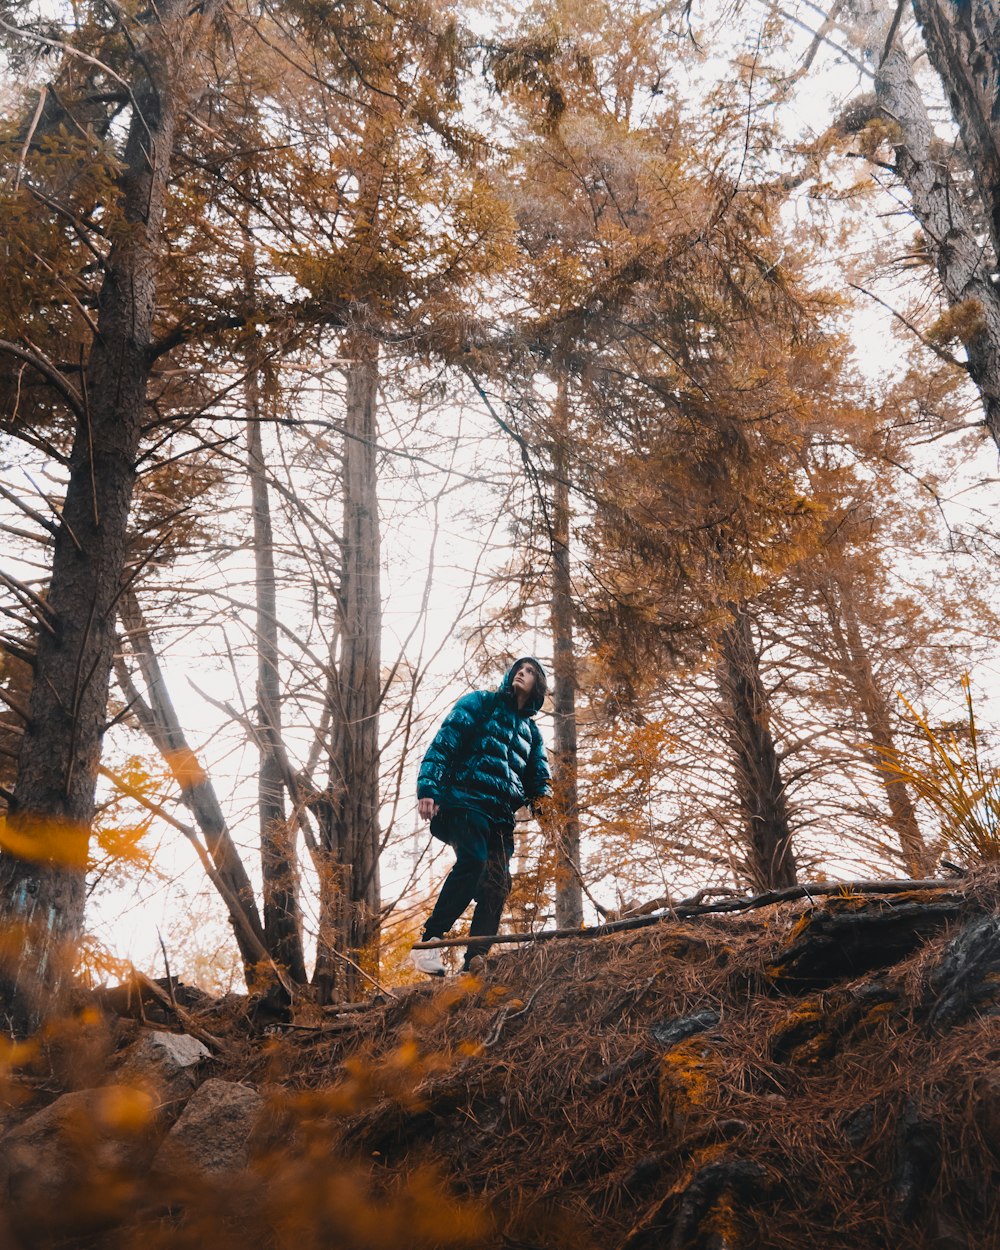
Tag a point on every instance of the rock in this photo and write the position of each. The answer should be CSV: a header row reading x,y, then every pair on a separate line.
x,y
74,1166
214,1130
814,1029
708,1211
918,1162
857,1125
964,981
166,1064
670,1032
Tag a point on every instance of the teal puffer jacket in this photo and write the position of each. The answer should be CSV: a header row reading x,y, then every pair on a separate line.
x,y
487,755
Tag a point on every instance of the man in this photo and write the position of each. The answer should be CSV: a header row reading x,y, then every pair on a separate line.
x,y
486,761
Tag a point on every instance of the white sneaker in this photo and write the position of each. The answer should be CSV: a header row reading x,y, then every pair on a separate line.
x,y
429,962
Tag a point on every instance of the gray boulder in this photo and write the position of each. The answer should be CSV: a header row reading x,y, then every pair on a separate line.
x,y
214,1130
167,1064
75,1165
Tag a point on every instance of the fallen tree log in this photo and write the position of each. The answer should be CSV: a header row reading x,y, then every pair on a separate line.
x,y
685,911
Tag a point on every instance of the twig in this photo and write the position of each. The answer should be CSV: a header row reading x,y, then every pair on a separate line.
x,y
32,127
506,1018
682,912
49,526
236,912
382,989
189,1024
56,513
939,351
46,368
665,902
166,964
15,647
334,1026
36,605
15,705
28,535
893,27
820,36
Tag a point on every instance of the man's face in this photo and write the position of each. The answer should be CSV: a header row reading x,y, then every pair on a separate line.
x,y
525,679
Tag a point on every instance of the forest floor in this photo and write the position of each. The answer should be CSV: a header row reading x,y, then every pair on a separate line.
x,y
807,1074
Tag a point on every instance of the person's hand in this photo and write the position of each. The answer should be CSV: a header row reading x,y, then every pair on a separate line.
x,y
427,808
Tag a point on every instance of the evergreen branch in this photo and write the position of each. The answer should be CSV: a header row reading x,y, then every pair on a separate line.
x,y
29,512
60,45
15,705
32,127
941,352
48,370
35,604
181,334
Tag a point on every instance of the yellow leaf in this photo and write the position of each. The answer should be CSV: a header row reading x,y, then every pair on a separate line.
x,y
48,841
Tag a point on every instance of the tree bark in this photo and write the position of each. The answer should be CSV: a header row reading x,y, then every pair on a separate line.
x,y
350,891
963,45
769,857
569,895
161,723
963,264
52,806
279,872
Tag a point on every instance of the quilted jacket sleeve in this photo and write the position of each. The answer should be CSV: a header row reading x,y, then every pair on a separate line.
x,y
444,752
538,779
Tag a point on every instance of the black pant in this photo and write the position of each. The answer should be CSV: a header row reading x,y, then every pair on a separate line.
x,y
482,872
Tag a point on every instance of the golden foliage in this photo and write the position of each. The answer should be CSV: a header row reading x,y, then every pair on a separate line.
x,y
185,768
97,963
876,132
962,322
959,785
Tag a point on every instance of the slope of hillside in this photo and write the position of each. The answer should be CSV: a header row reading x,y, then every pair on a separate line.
x,y
806,1074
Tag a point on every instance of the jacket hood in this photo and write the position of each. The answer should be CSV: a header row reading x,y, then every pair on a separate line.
x,y
537,695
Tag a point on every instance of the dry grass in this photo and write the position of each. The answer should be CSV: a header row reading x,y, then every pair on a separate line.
x,y
955,781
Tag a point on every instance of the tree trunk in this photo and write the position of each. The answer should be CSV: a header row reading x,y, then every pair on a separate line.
x,y
569,895
963,264
857,669
160,722
42,894
963,45
769,857
351,898
279,874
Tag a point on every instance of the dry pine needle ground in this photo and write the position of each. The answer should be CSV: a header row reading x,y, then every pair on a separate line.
x,y
804,1073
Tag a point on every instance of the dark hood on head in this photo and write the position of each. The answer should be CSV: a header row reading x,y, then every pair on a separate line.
x,y
541,686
